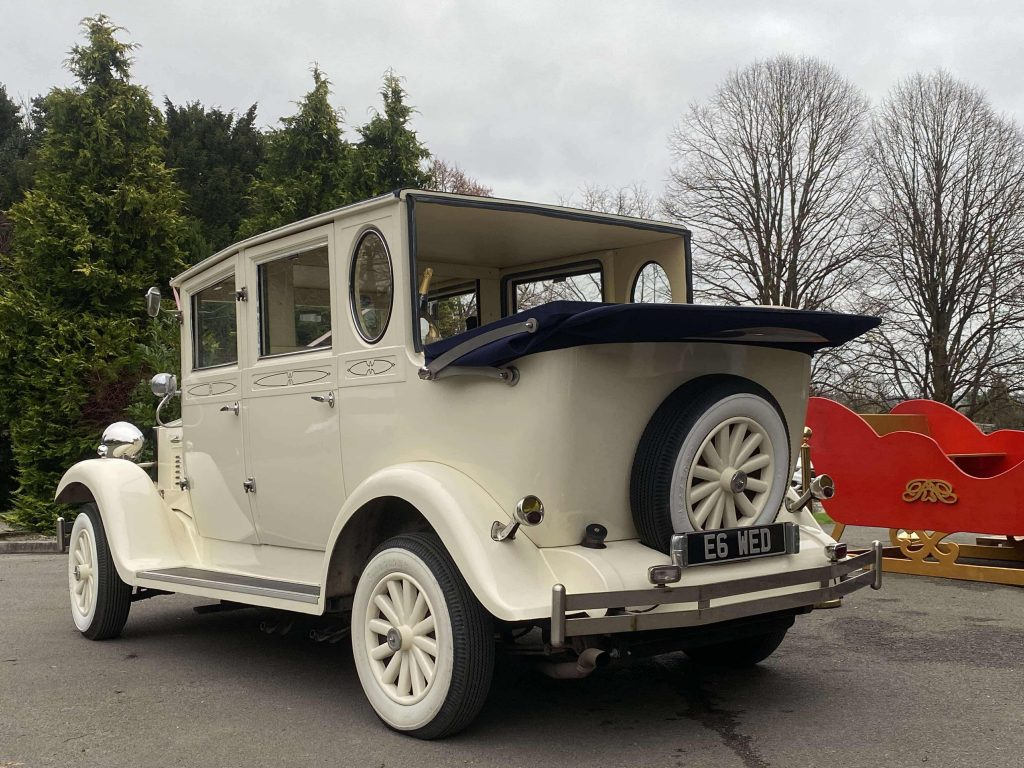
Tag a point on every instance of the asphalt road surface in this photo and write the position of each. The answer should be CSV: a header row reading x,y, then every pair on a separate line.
x,y
925,672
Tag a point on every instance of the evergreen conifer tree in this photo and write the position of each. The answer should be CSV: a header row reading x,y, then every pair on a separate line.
x,y
390,155
100,224
305,166
15,145
215,156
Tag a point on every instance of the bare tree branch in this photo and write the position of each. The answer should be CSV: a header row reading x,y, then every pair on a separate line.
x,y
948,204
631,200
770,175
449,177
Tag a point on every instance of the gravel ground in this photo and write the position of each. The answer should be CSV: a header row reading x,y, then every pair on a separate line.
x,y
926,671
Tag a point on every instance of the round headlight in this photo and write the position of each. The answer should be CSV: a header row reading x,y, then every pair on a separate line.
x,y
121,440
530,511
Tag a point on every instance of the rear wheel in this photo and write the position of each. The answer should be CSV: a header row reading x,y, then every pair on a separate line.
x,y
423,645
745,652
100,601
714,455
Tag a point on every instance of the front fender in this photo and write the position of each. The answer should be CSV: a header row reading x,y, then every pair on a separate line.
x,y
510,578
136,520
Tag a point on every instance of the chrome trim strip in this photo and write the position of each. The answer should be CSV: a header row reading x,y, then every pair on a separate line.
x,y
232,582
834,578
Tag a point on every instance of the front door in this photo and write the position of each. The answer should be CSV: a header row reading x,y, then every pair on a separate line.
x,y
210,411
293,427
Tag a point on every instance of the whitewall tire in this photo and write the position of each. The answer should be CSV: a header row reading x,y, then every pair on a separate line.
x,y
714,455
100,601
423,646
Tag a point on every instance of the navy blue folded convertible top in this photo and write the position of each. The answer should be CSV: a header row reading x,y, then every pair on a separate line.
x,y
563,324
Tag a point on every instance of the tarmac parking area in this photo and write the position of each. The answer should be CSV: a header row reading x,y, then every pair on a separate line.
x,y
925,672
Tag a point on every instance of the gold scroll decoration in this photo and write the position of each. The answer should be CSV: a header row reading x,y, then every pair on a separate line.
x,y
930,491
919,545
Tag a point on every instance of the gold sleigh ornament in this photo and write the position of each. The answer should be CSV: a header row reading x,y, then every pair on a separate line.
x,y
930,491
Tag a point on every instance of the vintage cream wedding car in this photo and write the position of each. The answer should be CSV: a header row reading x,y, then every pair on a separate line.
x,y
459,424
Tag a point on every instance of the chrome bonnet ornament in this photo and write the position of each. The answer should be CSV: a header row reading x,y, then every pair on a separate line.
x,y
121,440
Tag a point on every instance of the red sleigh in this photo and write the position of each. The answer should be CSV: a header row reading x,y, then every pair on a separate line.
x,y
924,471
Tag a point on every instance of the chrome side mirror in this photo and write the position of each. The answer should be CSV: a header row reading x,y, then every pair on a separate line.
x,y
153,301
164,384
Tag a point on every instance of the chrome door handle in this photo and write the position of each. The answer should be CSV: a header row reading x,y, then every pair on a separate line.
x,y
233,408
328,398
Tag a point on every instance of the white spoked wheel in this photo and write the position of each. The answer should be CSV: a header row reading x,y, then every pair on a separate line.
x,y
100,601
714,455
422,644
727,483
82,577
401,639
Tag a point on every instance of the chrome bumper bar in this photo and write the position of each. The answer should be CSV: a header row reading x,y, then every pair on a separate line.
x,y
849,575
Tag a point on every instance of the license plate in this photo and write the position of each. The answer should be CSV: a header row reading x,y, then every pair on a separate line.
x,y
731,544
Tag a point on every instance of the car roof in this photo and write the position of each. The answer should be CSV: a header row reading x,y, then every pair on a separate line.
x,y
441,198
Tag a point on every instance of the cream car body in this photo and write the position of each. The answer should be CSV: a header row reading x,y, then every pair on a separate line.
x,y
289,467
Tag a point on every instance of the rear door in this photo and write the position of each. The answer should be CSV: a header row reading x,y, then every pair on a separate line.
x,y
293,426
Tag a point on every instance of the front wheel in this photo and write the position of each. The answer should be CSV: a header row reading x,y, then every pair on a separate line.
x,y
99,599
744,652
423,645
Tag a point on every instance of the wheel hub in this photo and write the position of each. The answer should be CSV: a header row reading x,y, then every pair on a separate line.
x,y
78,573
729,480
394,639
738,481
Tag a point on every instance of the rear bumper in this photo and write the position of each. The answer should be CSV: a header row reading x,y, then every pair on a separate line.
x,y
833,580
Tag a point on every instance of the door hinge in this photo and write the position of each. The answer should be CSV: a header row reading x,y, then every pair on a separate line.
x,y
242,294
249,485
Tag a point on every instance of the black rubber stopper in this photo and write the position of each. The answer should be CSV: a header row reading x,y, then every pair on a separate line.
x,y
594,536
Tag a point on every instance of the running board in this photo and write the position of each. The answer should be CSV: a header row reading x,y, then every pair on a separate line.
x,y
233,582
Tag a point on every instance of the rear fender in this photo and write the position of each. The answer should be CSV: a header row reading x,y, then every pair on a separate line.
x,y
510,578
139,526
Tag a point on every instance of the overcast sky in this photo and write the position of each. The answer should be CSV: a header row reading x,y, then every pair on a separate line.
x,y
532,98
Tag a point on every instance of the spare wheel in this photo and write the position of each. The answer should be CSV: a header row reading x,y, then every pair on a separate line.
x,y
714,455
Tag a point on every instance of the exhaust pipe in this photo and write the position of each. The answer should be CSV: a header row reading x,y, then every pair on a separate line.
x,y
585,663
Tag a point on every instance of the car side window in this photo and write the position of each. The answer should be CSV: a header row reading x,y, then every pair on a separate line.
x,y
450,311
214,325
295,303
580,284
373,286
651,285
